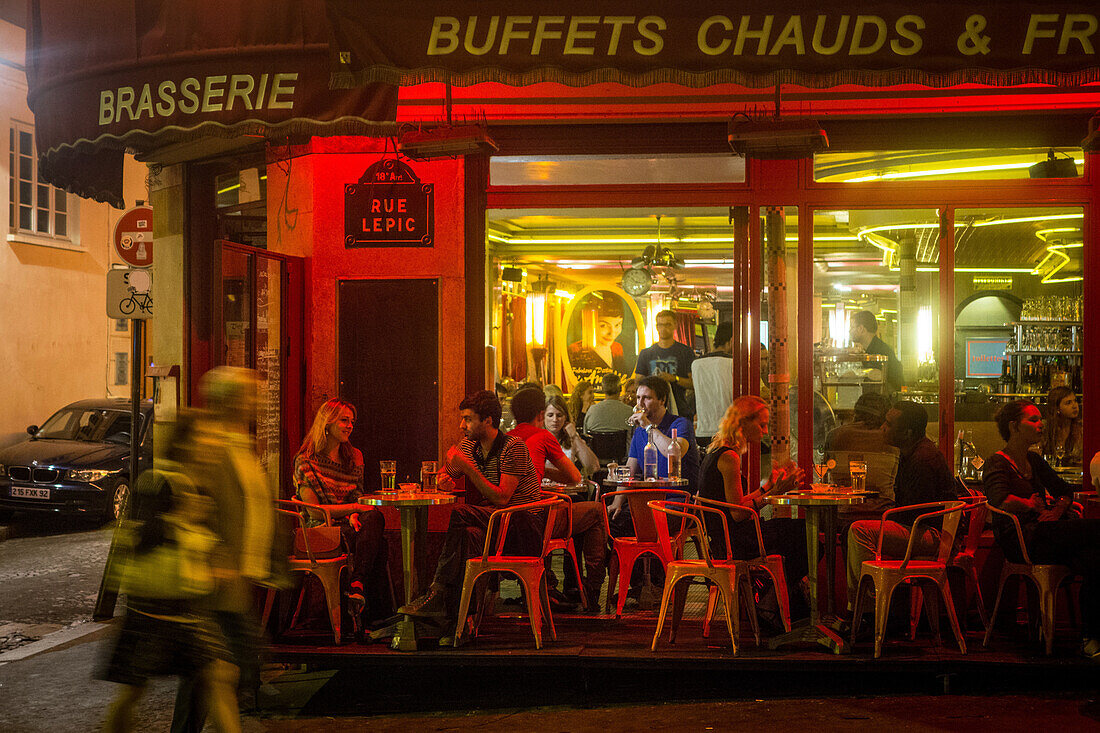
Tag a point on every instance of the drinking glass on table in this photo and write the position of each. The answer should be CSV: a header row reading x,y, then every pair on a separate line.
x,y
428,472
623,473
389,474
858,469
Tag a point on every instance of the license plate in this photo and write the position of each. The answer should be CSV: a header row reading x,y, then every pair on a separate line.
x,y
29,492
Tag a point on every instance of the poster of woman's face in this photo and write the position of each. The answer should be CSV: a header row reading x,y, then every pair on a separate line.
x,y
602,337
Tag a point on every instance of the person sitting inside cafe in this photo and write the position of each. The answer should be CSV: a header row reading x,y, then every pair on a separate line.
x,y
923,477
863,440
497,472
1062,427
609,414
1018,480
550,461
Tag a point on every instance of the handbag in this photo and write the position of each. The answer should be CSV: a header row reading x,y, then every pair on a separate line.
x,y
324,542
178,568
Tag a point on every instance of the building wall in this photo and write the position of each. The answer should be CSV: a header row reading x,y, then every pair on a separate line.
x,y
308,220
56,342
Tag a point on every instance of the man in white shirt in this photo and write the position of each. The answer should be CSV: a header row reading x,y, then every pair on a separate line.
x,y
712,375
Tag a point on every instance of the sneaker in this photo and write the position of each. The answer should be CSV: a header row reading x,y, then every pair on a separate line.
x,y
432,604
357,599
558,601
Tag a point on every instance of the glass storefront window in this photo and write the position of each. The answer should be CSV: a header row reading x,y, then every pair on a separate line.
x,y
590,170
1018,330
945,165
875,314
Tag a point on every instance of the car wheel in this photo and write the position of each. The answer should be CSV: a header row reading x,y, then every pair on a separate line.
x,y
120,499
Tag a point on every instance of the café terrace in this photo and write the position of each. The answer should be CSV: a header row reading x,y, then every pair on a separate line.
x,y
400,204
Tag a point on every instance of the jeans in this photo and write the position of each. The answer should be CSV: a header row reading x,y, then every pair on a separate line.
x,y
466,538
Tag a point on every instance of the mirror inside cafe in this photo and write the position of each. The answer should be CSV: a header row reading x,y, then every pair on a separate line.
x,y
574,292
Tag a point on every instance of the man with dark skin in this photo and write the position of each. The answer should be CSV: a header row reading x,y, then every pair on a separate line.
x,y
923,476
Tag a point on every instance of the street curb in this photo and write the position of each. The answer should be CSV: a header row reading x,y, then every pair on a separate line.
x,y
52,641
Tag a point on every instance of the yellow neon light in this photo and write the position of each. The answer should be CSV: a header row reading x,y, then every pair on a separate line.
x,y
895,175
1024,219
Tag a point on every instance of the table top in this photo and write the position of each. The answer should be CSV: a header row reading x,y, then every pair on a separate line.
x,y
661,483
407,498
821,495
571,489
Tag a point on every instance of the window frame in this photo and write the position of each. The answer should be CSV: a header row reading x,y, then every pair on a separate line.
x,y
16,233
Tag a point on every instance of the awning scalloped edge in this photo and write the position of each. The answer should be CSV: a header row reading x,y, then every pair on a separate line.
x,y
861,77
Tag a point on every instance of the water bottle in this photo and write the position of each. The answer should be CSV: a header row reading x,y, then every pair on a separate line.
x,y
649,462
674,458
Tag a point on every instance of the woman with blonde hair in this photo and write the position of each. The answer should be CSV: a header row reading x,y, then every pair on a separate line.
x,y
723,478
328,470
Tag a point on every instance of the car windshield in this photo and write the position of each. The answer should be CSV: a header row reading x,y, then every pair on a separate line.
x,y
91,425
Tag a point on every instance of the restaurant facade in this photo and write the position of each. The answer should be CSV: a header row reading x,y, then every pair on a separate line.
x,y
398,204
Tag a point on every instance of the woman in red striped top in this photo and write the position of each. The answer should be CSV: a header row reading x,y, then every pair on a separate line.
x,y
329,470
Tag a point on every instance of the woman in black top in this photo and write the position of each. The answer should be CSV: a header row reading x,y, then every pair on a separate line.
x,y
722,478
1018,480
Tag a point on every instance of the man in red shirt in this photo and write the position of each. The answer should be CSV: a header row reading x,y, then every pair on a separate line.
x,y
529,409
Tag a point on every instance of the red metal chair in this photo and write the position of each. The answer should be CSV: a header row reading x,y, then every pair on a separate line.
x,y
627,550
772,565
566,542
531,571
723,575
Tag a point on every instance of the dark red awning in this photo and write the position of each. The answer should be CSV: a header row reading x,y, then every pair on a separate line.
x,y
116,75
934,43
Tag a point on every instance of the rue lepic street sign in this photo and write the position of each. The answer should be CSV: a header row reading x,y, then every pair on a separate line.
x,y
134,237
129,293
389,207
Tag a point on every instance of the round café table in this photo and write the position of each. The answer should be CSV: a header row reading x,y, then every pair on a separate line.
x,y
413,507
819,505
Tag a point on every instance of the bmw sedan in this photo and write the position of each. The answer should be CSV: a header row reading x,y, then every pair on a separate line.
x,y
77,463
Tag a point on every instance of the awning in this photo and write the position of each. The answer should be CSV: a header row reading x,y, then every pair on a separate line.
x,y
116,75
641,42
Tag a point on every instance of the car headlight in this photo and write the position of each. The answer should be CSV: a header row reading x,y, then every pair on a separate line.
x,y
90,475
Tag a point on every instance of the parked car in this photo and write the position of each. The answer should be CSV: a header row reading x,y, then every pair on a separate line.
x,y
77,463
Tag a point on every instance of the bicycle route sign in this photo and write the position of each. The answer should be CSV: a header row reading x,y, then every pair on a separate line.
x,y
134,237
129,293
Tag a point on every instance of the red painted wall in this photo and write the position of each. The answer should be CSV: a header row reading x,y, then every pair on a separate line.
x,y
309,217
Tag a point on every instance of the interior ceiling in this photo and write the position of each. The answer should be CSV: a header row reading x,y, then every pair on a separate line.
x,y
579,247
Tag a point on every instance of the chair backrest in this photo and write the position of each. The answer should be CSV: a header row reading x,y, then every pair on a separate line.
x,y
949,512
1019,532
977,509
689,515
568,511
738,513
964,489
645,529
609,446
496,533
882,469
